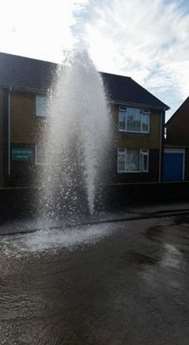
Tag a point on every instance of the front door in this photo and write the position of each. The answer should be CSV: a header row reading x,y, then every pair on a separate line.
x,y
173,165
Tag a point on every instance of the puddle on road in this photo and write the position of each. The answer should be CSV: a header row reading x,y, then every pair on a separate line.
x,y
67,298
175,232
154,232
43,240
172,239
182,220
172,252
171,257
135,258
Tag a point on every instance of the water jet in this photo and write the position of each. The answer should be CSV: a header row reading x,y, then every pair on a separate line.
x,y
76,140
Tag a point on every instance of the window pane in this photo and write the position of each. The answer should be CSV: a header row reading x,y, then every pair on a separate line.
x,y
121,161
132,163
41,106
122,120
144,159
133,120
145,122
121,165
145,162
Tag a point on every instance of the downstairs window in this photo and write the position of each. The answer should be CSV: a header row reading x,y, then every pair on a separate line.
x,y
132,160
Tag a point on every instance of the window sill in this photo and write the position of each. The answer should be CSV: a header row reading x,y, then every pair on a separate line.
x,y
40,116
132,132
132,172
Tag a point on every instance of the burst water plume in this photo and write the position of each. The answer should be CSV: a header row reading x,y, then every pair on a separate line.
x,y
76,138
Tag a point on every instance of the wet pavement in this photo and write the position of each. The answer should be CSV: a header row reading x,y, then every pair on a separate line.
x,y
122,283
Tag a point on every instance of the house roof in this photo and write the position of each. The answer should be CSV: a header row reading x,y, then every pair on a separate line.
x,y
22,72
178,127
125,89
184,107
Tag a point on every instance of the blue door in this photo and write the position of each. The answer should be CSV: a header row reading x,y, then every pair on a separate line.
x,y
173,166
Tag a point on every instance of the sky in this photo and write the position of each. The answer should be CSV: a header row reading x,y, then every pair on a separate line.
x,y
144,39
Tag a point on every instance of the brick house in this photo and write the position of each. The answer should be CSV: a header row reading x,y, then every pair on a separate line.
x,y
138,121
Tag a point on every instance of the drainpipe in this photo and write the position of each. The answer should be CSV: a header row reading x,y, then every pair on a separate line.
x,y
162,122
9,129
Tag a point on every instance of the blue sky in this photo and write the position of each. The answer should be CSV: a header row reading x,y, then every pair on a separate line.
x,y
144,39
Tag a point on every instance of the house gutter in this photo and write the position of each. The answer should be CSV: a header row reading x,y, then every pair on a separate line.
x,y
162,122
136,104
9,129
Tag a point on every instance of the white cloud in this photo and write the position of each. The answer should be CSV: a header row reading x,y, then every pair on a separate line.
x,y
37,28
147,40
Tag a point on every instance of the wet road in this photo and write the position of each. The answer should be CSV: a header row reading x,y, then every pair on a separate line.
x,y
128,283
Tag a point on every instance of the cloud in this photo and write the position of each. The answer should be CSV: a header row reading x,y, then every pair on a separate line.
x,y
37,28
147,40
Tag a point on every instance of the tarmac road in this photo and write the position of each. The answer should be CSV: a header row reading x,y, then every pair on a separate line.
x,y
124,283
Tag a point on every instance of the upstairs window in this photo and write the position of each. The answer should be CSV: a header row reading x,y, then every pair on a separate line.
x,y
132,160
41,106
133,120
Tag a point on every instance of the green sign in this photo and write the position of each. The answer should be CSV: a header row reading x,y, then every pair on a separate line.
x,y
22,154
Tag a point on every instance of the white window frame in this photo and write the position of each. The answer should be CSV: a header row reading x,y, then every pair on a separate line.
x,y
123,151
123,112
38,112
142,152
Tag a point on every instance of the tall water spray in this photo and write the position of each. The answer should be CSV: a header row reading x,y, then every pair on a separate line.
x,y
76,138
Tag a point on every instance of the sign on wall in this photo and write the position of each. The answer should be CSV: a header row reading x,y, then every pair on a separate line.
x,y
22,154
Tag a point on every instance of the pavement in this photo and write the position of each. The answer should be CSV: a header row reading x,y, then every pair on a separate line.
x,y
114,283
130,213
